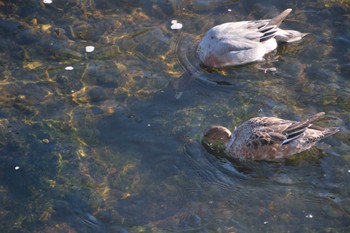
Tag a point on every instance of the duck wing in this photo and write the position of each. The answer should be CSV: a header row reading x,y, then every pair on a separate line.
x,y
265,131
245,34
271,130
296,129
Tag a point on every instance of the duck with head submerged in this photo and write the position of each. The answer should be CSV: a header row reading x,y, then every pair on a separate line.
x,y
267,138
238,43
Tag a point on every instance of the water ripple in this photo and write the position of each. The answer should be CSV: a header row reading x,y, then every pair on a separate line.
x,y
211,169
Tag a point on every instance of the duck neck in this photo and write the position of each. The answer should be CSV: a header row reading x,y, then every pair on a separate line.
x,y
230,142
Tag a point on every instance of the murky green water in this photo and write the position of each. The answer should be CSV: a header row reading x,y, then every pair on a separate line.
x,y
108,140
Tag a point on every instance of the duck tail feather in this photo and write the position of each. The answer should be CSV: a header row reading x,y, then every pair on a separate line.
x,y
279,18
330,131
289,36
301,126
316,117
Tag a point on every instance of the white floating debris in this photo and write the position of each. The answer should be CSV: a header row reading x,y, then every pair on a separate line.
x,y
309,216
266,222
89,48
17,168
46,141
211,202
229,10
175,25
47,1
69,68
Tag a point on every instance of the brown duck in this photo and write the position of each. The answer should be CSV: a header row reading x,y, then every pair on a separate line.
x,y
267,138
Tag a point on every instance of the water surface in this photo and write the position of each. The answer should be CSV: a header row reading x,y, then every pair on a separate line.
x,y
109,140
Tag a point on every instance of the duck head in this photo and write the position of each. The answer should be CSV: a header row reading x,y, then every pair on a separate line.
x,y
216,137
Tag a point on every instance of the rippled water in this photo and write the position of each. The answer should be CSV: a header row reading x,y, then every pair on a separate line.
x,y
109,140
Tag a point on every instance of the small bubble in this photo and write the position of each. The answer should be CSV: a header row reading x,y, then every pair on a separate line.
x,y
349,171
69,68
229,10
89,48
148,125
211,202
266,222
17,168
47,1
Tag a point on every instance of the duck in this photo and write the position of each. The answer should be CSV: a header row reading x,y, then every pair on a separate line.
x,y
239,43
267,138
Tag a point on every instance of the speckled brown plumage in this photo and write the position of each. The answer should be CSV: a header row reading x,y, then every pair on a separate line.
x,y
268,138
